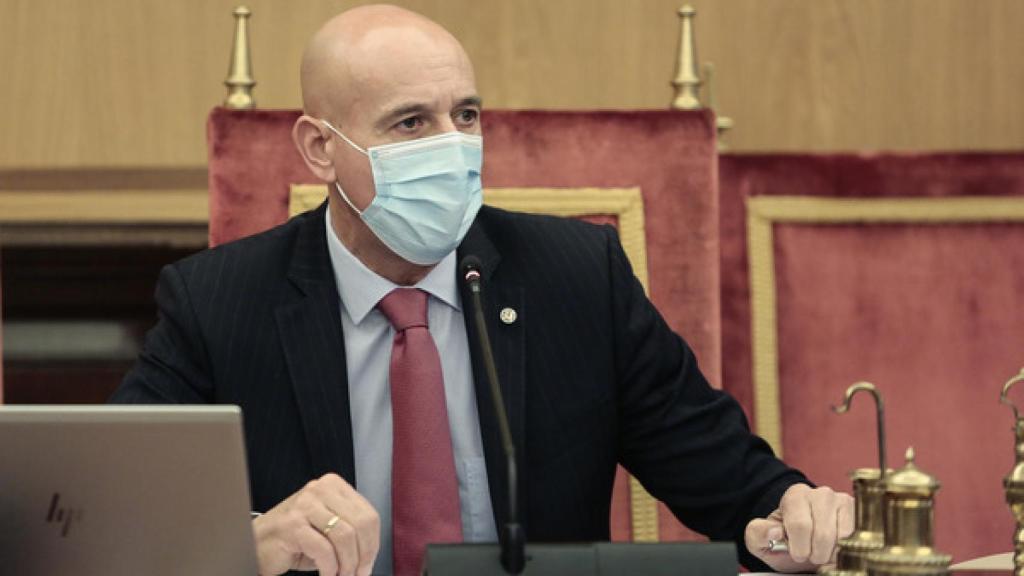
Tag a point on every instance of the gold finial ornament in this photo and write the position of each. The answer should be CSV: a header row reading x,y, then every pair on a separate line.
x,y
868,492
1013,484
909,520
687,82
240,81
912,480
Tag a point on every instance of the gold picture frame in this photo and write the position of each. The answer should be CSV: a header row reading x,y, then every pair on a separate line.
x,y
764,212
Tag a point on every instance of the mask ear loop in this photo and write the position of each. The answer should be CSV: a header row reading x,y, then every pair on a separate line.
x,y
345,138
336,184
345,198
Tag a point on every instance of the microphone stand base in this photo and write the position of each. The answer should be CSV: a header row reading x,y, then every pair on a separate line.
x,y
604,558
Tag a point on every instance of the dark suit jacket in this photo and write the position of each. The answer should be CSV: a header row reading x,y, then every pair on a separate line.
x,y
591,375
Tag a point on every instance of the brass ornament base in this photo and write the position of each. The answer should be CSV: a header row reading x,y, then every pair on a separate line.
x,y
922,562
1014,488
832,570
852,558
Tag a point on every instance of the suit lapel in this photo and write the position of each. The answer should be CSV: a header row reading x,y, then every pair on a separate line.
x,y
309,323
315,355
500,292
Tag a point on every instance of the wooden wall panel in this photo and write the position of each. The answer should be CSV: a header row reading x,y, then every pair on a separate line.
x,y
868,74
128,84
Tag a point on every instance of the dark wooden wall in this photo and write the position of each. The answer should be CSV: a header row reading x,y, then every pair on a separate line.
x,y
49,291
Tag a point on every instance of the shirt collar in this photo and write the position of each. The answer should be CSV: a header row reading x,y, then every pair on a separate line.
x,y
361,288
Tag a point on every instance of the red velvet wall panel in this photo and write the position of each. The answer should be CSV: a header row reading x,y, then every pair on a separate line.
x,y
933,313
670,156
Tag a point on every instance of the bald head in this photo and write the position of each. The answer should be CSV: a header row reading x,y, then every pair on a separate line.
x,y
371,76
368,46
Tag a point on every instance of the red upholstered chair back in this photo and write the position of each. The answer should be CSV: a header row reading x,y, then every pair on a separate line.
x,y
654,174
904,270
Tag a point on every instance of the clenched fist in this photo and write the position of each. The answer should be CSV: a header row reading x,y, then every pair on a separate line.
x,y
812,519
325,526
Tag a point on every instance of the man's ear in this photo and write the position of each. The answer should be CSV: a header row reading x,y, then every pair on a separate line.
x,y
315,146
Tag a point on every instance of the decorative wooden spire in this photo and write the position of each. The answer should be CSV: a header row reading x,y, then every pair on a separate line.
x,y
687,82
240,81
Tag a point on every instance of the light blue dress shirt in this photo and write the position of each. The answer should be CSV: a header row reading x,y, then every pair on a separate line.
x,y
368,336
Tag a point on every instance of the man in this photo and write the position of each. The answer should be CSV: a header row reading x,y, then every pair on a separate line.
x,y
343,335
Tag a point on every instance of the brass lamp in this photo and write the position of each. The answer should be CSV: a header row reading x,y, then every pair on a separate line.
x,y
868,490
867,537
1014,481
909,517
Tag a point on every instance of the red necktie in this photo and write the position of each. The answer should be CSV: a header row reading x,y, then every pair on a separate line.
x,y
424,487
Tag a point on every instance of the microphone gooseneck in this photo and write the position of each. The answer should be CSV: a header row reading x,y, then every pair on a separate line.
x,y
513,540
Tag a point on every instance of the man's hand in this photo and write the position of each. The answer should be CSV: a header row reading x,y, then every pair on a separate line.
x,y
326,526
812,519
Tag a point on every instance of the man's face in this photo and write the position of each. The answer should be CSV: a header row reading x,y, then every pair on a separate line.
x,y
406,85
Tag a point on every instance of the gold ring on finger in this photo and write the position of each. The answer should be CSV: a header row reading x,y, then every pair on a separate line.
x,y
331,524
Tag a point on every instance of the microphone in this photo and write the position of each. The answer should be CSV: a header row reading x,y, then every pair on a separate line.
x,y
582,559
513,539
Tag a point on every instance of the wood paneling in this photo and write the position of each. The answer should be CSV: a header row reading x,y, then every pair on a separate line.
x,y
124,83
868,74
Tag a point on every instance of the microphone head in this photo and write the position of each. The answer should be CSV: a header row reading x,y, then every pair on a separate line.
x,y
470,267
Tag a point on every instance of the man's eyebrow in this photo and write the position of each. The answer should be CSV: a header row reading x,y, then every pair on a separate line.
x,y
470,101
401,110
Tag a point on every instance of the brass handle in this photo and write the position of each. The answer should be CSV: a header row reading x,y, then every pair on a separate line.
x,y
1004,395
879,412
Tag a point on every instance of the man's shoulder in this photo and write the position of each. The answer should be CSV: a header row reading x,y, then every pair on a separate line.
x,y
539,248
265,252
527,227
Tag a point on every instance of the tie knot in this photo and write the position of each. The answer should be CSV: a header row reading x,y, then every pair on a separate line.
x,y
405,308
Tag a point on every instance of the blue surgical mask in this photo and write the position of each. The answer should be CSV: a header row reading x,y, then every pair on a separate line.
x,y
428,193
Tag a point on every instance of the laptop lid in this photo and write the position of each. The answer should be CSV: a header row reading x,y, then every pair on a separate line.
x,y
156,490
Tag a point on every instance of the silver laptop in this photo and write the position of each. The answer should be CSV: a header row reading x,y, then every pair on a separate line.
x,y
124,490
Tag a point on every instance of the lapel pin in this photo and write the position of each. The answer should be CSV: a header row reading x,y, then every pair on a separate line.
x,y
508,315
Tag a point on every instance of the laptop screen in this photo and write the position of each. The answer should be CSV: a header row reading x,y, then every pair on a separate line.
x,y
156,490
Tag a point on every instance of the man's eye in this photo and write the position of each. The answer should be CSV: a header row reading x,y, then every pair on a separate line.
x,y
410,123
468,116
